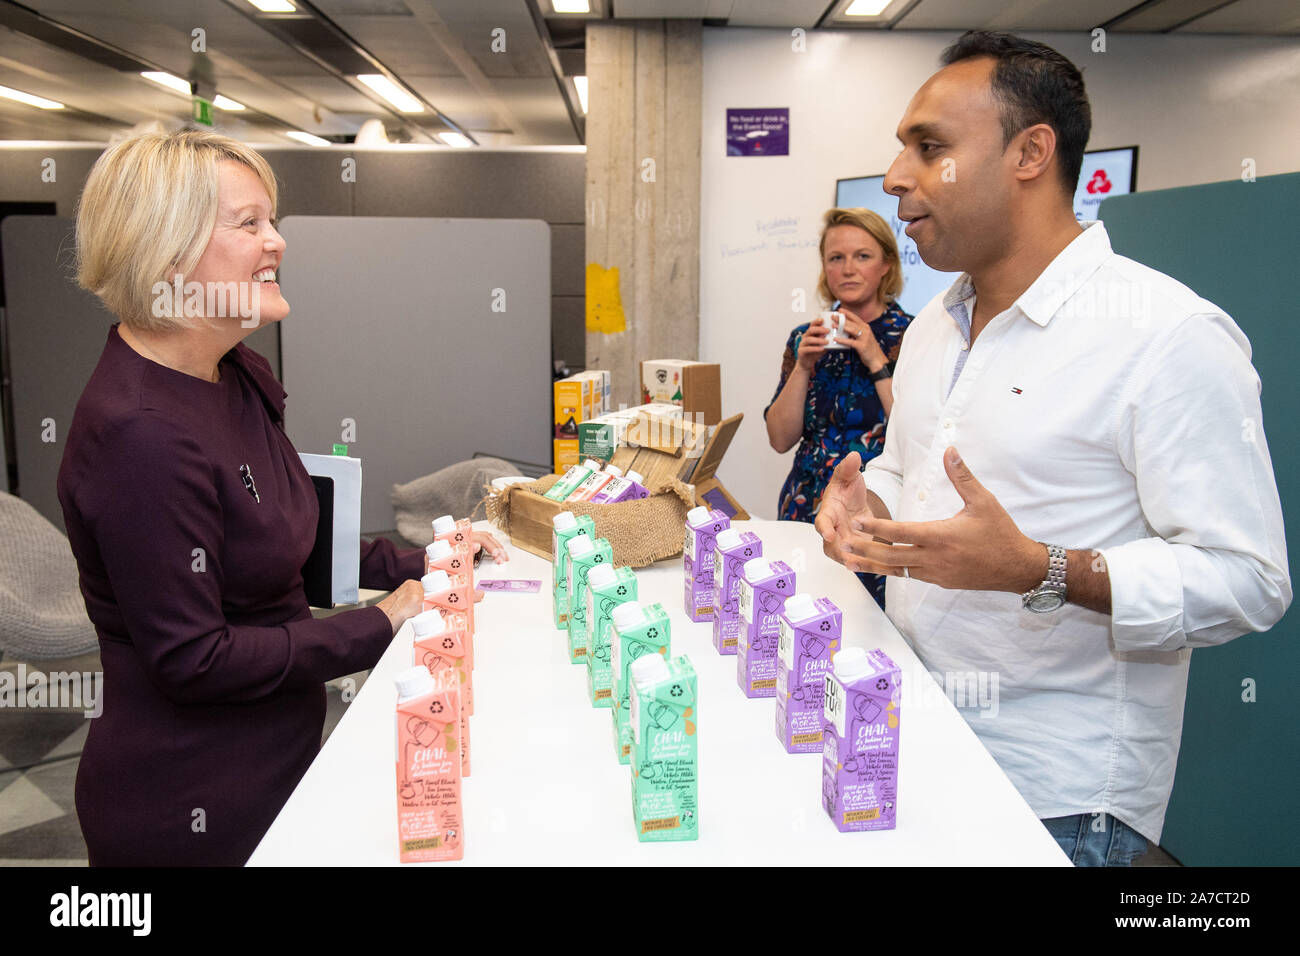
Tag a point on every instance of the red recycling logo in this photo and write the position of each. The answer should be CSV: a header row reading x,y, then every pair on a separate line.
x,y
1099,183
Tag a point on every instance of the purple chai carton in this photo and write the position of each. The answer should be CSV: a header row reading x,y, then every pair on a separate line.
x,y
810,634
702,527
731,550
860,743
764,586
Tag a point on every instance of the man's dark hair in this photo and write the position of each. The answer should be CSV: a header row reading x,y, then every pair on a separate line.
x,y
1032,83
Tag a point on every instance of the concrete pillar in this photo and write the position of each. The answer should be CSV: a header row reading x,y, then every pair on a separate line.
x,y
643,196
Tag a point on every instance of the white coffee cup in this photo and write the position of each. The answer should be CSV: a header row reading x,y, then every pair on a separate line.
x,y
835,322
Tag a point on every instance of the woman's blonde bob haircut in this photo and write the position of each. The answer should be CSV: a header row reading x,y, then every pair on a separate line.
x,y
891,283
147,212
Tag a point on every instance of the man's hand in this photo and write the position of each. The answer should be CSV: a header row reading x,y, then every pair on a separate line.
x,y
845,496
978,549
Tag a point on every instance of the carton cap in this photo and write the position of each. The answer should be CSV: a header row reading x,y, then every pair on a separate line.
x,y
628,614
757,568
563,520
728,538
436,581
591,463
800,607
579,545
612,469
647,670
414,682
601,575
697,515
428,623
439,549
851,664
443,523
635,476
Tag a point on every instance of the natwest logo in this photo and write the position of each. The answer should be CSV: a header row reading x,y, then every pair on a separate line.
x,y
1099,183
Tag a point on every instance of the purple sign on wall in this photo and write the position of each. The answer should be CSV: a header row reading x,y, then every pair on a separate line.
x,y
758,132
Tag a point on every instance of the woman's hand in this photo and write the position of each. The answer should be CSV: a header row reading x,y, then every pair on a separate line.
x,y
812,346
484,541
858,335
403,604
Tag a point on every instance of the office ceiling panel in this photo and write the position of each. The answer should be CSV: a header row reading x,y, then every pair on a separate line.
x,y
1040,15
1250,16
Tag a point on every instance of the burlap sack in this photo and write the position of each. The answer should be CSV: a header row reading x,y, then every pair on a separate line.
x,y
639,532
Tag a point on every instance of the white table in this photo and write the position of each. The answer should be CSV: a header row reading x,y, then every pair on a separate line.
x,y
547,788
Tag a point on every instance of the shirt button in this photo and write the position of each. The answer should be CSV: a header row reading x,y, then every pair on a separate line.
x,y
920,496
947,423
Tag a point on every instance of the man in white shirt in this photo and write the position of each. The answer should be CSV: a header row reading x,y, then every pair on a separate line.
x,y
1113,502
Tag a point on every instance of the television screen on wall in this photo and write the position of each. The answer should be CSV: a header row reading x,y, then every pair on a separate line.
x,y
1105,173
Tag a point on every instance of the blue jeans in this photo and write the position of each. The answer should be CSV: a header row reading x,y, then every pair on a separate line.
x,y
1094,839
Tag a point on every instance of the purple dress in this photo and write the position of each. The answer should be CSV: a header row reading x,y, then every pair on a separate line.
x,y
213,699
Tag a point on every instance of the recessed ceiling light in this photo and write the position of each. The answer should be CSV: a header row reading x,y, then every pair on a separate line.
x,y
174,83
307,138
580,82
274,6
390,91
571,6
865,8
30,99
455,139
226,103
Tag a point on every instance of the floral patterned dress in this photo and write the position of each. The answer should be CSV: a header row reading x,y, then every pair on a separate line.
x,y
842,414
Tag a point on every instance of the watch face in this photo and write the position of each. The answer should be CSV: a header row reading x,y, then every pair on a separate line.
x,y
1045,601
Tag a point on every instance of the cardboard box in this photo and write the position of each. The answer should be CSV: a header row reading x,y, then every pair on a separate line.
x,y
695,386
531,513
572,404
600,437
564,454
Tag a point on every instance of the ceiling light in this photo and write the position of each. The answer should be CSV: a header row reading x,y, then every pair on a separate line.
x,y
226,103
307,138
571,6
274,6
30,99
458,140
580,82
174,83
865,8
390,91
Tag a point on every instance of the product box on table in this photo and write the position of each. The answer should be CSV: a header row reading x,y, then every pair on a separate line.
x,y
634,632
860,743
731,549
607,588
810,634
764,586
702,528
665,767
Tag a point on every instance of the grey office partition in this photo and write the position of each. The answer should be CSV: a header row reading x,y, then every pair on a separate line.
x,y
1235,243
56,334
416,342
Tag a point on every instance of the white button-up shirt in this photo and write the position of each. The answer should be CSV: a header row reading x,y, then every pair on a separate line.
x,y
1109,408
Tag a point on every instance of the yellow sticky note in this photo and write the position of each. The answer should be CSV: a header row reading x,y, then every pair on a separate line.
x,y
604,303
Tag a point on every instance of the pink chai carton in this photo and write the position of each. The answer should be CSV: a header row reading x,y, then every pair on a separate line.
x,y
441,650
860,745
452,596
702,527
457,533
429,818
764,586
730,552
810,634
454,559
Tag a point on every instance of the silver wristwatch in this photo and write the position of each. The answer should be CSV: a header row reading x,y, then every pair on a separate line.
x,y
1049,595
